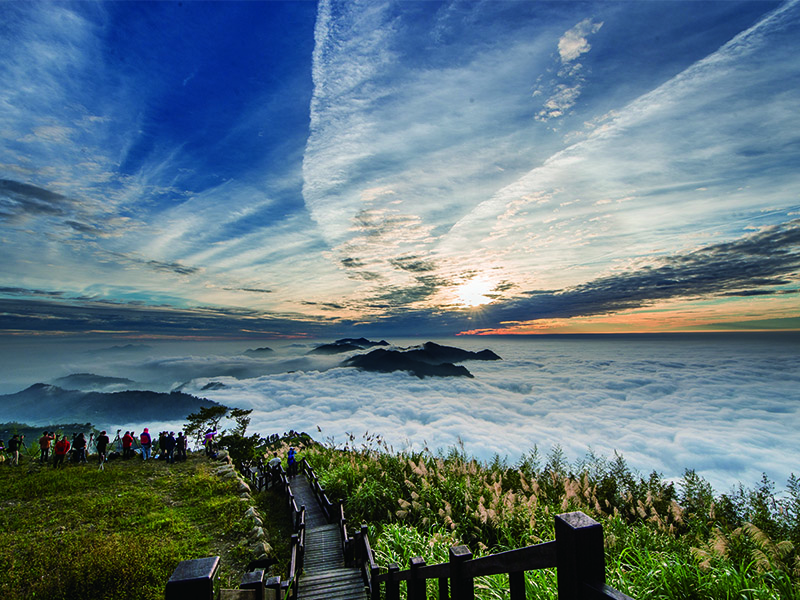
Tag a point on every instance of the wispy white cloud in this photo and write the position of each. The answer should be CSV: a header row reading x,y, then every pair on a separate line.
x,y
564,90
574,42
71,122
632,186
382,120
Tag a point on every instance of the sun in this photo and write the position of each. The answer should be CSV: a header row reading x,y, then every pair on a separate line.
x,y
474,293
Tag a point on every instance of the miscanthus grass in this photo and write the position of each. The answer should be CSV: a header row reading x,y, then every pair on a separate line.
x,y
663,540
77,532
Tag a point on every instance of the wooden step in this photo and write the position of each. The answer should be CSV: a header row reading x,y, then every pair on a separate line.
x,y
237,595
324,575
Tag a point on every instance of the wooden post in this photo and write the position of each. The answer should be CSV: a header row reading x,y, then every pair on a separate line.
x,y
361,548
272,586
516,584
416,585
393,583
193,579
581,559
294,556
254,580
376,586
444,589
462,586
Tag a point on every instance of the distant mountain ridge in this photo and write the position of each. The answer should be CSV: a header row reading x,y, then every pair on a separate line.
x,y
42,404
434,353
259,351
84,381
347,345
430,360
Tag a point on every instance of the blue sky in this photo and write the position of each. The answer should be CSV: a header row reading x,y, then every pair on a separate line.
x,y
257,169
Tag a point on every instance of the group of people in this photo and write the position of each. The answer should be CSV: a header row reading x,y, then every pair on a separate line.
x,y
170,447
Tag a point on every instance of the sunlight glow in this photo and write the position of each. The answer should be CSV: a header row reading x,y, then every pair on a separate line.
x,y
474,292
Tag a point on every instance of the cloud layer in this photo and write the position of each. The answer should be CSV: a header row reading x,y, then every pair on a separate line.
x,y
721,404
724,407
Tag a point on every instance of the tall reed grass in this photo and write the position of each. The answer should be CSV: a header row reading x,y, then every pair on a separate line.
x,y
663,539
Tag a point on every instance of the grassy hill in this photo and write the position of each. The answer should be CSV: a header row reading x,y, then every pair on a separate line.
x,y
78,532
81,533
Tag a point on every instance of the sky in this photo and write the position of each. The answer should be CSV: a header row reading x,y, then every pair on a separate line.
x,y
202,170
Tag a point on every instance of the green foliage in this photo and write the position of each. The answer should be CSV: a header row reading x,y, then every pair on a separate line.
x,y
791,508
662,540
242,448
81,533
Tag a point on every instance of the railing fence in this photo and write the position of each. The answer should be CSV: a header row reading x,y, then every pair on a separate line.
x,y
576,553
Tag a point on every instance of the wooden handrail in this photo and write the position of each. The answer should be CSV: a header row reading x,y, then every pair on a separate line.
x,y
577,554
529,558
262,478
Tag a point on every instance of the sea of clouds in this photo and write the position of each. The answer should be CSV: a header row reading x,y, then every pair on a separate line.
x,y
726,406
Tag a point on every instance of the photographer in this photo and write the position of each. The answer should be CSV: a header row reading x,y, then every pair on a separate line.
x,y
14,444
62,448
79,448
44,446
102,444
127,445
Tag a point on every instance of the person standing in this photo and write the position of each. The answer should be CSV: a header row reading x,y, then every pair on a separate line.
x,y
180,447
146,441
62,448
208,442
102,445
274,464
13,449
292,461
169,446
79,446
162,435
44,446
127,445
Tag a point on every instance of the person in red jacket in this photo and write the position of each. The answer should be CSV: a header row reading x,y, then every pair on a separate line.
x,y
146,441
127,445
62,447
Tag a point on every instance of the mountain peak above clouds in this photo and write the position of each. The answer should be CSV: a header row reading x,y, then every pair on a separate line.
x,y
90,381
347,345
259,351
431,359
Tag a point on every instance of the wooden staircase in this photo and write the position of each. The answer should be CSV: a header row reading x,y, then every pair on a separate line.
x,y
325,575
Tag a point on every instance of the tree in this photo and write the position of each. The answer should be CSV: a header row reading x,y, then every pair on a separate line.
x,y
242,418
203,420
240,446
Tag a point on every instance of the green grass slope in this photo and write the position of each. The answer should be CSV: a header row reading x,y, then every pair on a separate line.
x,y
78,532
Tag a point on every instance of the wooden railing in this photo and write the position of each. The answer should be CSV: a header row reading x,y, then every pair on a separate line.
x,y
576,554
334,513
262,477
329,509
